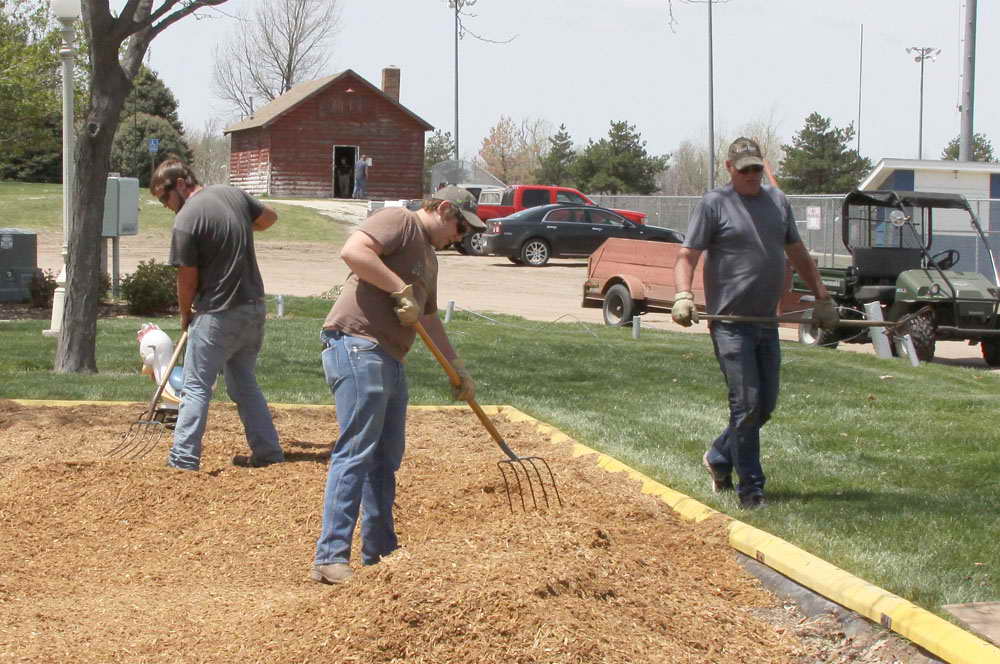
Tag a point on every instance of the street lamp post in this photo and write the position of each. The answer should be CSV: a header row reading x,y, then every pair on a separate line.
x,y
67,11
921,54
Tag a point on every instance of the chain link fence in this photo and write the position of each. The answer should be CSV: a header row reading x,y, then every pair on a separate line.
x,y
820,225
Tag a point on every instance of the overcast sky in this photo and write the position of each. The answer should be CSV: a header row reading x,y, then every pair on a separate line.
x,y
586,63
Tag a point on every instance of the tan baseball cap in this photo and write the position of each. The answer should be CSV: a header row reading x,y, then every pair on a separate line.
x,y
745,152
464,202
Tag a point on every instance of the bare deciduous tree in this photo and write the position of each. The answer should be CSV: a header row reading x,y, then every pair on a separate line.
x,y
688,174
283,43
514,152
211,153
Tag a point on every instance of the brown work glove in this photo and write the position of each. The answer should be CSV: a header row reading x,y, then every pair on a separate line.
x,y
825,313
466,389
684,312
407,309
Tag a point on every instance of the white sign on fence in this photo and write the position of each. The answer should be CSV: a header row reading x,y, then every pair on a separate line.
x,y
814,217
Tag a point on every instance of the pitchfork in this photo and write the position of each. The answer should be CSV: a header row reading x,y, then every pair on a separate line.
x,y
147,431
518,466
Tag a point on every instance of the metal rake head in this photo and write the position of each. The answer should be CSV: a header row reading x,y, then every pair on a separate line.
x,y
528,479
141,438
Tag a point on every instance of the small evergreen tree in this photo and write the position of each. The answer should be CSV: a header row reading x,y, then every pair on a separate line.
x,y
440,147
151,96
130,154
819,160
618,164
982,149
557,163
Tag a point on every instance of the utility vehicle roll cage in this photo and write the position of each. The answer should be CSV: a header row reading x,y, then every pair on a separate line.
x,y
901,200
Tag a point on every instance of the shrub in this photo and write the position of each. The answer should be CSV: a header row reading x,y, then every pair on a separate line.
x,y
151,289
43,286
104,286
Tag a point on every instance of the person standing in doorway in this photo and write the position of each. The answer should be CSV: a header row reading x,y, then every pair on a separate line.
x,y
747,229
221,297
343,172
361,177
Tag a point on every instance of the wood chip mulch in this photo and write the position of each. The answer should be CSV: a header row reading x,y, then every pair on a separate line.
x,y
123,561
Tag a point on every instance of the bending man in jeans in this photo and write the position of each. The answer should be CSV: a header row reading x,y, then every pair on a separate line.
x,y
747,229
365,337
221,298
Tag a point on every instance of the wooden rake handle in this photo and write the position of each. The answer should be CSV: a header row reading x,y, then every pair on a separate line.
x,y
151,408
456,381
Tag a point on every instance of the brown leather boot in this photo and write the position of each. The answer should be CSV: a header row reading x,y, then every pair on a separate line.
x,y
332,573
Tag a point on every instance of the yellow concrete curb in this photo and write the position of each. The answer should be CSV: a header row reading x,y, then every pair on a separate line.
x,y
947,641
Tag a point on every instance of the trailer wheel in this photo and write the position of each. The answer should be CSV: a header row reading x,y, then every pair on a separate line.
x,y
991,351
814,335
619,307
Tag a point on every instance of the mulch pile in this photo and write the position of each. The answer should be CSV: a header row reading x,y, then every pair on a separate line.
x,y
108,560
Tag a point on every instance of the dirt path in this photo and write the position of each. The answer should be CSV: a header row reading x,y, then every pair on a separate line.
x,y
478,283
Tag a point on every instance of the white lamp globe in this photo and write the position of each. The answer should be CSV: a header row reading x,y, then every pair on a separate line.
x,y
67,9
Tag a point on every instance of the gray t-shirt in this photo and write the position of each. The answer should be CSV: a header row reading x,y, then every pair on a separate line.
x,y
213,232
744,238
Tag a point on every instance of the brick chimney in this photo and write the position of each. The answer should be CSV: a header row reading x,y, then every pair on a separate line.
x,y
390,81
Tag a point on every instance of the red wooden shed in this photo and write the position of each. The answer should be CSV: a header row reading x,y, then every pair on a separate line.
x,y
291,146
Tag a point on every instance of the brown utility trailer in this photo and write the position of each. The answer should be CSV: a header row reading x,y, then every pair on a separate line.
x,y
628,278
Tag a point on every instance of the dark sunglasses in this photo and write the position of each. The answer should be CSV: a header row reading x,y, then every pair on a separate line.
x,y
462,225
165,196
747,170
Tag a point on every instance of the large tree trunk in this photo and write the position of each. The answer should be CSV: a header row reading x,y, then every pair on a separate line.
x,y
77,349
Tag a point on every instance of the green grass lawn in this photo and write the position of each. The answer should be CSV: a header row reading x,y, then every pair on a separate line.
x,y
885,470
38,207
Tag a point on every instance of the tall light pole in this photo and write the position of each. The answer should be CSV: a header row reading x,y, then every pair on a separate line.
x,y
921,54
67,11
711,106
458,5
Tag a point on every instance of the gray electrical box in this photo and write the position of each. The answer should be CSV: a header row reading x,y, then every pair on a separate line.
x,y
18,263
121,207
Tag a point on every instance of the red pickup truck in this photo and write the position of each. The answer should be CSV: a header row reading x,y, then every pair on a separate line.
x,y
519,197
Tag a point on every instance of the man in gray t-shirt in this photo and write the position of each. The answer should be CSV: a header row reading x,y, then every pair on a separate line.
x,y
747,229
221,298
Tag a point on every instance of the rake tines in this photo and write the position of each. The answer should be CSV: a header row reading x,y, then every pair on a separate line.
x,y
140,439
519,466
146,432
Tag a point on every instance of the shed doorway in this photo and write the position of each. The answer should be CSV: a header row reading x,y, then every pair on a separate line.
x,y
344,157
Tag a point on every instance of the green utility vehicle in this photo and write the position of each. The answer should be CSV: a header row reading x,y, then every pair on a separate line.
x,y
888,235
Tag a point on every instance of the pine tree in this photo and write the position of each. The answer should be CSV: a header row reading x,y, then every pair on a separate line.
x,y
440,147
557,163
819,161
982,149
618,164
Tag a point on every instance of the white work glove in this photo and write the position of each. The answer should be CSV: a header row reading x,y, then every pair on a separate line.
x,y
466,389
825,313
684,312
407,310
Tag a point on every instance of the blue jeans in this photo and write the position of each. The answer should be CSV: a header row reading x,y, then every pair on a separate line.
x,y
359,188
369,387
226,341
750,358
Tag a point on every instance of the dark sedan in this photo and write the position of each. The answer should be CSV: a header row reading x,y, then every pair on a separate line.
x,y
533,236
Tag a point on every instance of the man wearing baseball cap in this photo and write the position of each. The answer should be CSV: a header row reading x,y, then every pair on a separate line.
x,y
747,229
366,336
